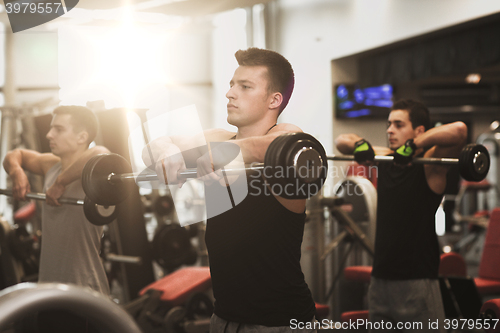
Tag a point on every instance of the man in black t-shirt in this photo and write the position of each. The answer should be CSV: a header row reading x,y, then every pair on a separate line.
x,y
254,245
404,289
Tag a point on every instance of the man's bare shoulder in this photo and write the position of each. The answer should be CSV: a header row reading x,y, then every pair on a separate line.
x,y
218,134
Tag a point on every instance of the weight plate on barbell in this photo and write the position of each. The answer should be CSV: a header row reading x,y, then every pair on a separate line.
x,y
289,179
95,181
305,156
273,171
98,214
299,165
308,154
474,162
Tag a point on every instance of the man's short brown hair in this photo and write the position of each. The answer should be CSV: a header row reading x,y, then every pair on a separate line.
x,y
417,112
82,119
281,76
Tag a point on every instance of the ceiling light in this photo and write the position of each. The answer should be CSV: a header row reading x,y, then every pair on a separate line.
x,y
473,78
494,125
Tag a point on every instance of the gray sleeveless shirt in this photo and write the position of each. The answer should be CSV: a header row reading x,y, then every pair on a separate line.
x,y
70,243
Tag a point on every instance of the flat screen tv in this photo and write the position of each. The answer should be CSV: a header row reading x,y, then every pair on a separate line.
x,y
352,101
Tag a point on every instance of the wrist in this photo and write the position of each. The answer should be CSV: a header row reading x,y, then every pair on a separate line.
x,y
411,144
408,149
361,145
14,171
59,182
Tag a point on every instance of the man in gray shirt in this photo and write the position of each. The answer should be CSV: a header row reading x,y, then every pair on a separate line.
x,y
71,244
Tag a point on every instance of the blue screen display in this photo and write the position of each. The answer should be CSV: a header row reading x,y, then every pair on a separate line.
x,y
351,101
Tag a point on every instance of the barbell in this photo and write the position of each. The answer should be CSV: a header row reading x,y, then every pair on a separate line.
x,y
295,164
473,161
299,165
96,214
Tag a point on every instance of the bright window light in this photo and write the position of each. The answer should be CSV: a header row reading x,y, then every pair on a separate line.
x,y
123,66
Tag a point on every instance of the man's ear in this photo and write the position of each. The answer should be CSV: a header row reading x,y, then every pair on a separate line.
x,y
276,100
83,136
419,130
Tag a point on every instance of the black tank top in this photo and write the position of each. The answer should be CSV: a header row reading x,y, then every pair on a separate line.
x,y
406,245
254,252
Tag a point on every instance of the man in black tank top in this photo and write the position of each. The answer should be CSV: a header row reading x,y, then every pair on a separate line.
x,y
254,245
404,286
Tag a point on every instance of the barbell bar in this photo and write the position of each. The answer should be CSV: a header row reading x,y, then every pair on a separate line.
x,y
473,161
383,158
42,196
95,213
184,174
106,178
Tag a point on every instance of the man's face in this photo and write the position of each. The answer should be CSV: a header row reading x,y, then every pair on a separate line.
x,y
248,95
399,129
62,138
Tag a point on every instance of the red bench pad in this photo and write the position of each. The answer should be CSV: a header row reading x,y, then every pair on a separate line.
x,y
180,284
354,315
25,213
358,273
322,311
487,286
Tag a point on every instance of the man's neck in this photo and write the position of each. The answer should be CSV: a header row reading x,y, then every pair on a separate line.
x,y
255,129
68,159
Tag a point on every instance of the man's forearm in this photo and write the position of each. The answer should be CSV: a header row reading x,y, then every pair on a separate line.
x,y
13,161
254,149
448,135
345,143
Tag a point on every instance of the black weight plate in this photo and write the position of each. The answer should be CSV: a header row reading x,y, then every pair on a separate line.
x,y
281,154
321,170
281,176
463,167
97,214
95,179
270,156
199,305
288,182
164,205
171,246
87,187
474,162
270,161
173,319
303,188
